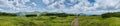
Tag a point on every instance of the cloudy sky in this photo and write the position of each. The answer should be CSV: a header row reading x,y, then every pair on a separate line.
x,y
66,6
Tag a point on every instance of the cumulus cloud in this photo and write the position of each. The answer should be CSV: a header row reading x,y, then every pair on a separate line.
x,y
82,6
34,4
75,5
67,6
18,5
108,3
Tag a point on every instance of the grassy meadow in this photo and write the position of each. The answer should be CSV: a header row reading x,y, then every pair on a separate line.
x,y
58,21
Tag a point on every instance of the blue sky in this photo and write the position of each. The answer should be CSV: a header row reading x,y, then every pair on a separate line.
x,y
66,6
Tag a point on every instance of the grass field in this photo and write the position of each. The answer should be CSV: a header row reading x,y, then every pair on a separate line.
x,y
58,21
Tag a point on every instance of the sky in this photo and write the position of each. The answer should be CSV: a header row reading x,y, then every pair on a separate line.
x,y
61,6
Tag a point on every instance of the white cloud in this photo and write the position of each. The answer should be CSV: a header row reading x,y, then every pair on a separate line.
x,y
108,3
86,6
82,5
73,0
18,5
74,6
34,4
48,1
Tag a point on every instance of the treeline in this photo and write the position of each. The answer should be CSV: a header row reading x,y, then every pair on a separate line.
x,y
7,14
58,14
34,15
108,15
51,14
105,15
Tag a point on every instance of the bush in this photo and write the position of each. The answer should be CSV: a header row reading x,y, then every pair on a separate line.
x,y
106,15
31,15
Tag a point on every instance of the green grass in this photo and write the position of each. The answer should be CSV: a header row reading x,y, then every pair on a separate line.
x,y
58,21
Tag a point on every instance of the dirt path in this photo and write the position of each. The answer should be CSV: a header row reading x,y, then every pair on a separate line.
x,y
76,21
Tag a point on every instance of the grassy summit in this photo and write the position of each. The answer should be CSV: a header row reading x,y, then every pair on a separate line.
x,y
58,21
